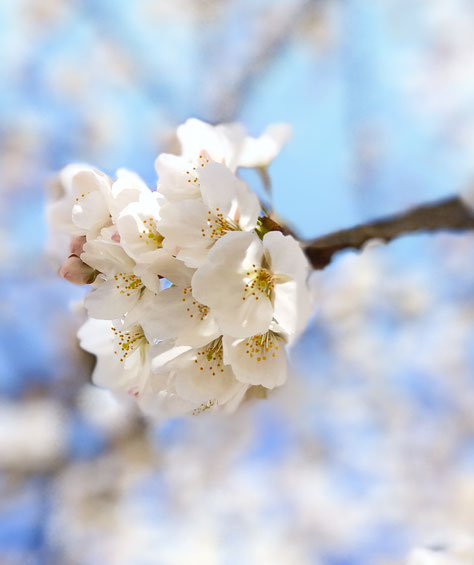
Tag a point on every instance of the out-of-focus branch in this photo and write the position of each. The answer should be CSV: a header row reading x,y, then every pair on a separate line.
x,y
275,29
447,215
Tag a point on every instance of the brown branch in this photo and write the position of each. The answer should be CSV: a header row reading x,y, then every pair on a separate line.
x,y
449,215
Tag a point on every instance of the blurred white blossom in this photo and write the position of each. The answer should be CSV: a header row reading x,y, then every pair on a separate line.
x,y
460,553
32,435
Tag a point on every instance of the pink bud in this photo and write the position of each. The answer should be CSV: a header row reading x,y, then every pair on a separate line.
x,y
76,271
116,237
77,244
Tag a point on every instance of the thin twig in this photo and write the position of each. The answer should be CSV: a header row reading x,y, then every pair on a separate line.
x,y
447,215
266,180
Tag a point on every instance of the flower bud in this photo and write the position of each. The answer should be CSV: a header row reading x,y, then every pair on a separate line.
x,y
76,271
77,244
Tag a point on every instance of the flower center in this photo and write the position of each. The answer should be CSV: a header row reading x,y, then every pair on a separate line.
x,y
193,308
260,282
150,235
218,225
126,342
128,283
209,359
262,347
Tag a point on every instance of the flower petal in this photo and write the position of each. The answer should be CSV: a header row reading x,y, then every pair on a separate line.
x,y
221,281
164,352
226,194
175,314
258,360
193,257
181,224
91,192
222,142
260,151
107,257
293,306
159,399
127,376
139,236
176,177
285,256
107,302
128,188
202,379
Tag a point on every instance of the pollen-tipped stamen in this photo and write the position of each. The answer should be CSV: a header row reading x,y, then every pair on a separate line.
x,y
127,282
262,347
150,235
126,342
260,281
210,359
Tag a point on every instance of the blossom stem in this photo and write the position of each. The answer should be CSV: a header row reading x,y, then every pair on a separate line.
x,y
445,215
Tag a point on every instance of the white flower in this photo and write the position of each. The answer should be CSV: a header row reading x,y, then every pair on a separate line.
x,y
91,190
98,200
61,200
223,142
123,365
122,287
248,282
139,236
59,205
257,360
175,314
193,226
128,188
230,144
178,176
84,200
118,289
200,374
136,226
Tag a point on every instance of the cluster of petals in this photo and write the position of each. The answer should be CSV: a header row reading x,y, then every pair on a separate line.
x,y
192,302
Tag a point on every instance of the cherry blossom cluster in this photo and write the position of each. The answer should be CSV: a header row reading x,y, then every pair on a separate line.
x,y
194,299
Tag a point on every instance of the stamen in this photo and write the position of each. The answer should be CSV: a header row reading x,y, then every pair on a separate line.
x,y
218,225
126,342
263,346
194,308
204,406
150,235
209,359
191,171
127,283
261,282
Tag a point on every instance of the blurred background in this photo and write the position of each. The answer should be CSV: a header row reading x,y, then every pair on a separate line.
x,y
368,451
